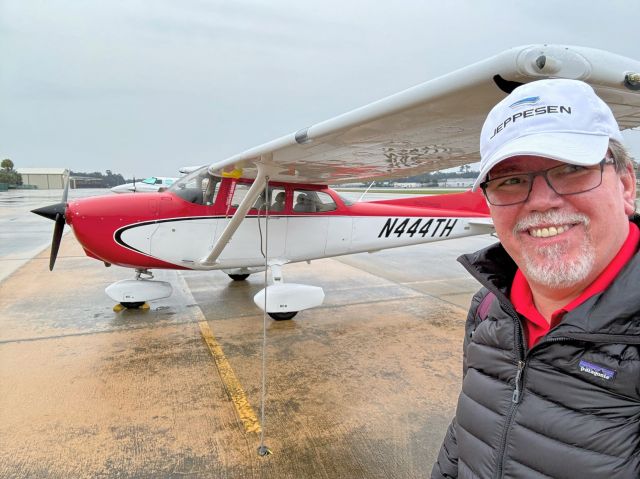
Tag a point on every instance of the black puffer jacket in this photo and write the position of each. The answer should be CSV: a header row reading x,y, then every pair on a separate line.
x,y
567,408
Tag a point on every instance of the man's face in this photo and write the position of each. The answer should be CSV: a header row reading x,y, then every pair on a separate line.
x,y
564,241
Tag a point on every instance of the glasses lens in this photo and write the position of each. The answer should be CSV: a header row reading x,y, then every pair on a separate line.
x,y
507,190
571,179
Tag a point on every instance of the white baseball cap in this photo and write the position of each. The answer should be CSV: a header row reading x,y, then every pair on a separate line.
x,y
559,119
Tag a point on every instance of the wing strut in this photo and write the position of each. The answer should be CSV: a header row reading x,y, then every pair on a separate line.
x,y
236,219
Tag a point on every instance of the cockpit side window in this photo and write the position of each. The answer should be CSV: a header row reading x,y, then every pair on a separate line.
x,y
275,200
211,187
278,199
199,187
324,202
239,192
307,201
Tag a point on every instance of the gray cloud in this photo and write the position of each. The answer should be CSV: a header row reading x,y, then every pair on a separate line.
x,y
145,87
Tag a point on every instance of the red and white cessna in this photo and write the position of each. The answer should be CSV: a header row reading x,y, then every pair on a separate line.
x,y
270,205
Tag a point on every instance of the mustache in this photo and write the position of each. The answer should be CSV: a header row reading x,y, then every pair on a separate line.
x,y
551,217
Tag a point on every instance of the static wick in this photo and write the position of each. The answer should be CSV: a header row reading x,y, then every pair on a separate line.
x,y
264,451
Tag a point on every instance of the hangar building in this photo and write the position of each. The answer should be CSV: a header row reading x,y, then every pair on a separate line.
x,y
44,178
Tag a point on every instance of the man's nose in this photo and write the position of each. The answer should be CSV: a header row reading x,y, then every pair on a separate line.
x,y
542,196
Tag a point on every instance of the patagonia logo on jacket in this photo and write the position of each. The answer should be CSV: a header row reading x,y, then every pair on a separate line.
x,y
596,370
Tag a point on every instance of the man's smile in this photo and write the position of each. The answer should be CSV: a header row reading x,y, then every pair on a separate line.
x,y
549,231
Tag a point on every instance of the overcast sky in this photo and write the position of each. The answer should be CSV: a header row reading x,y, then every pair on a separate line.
x,y
144,87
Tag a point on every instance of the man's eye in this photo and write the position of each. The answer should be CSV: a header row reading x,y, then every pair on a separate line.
x,y
511,181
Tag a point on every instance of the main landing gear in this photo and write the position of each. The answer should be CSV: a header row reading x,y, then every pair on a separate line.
x,y
282,301
240,274
135,293
278,316
238,277
283,316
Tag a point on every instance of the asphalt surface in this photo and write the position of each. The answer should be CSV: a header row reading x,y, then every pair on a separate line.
x,y
362,387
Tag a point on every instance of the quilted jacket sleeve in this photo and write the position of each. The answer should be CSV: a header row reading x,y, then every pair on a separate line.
x,y
447,464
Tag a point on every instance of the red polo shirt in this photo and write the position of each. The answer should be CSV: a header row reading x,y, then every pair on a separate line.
x,y
522,299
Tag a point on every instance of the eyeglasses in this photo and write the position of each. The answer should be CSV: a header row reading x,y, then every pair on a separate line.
x,y
563,179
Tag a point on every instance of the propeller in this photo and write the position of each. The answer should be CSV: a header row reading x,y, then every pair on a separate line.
x,y
56,213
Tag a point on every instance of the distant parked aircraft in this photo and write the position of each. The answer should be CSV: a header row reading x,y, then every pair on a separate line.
x,y
148,185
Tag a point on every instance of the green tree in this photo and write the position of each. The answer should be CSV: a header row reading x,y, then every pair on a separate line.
x,y
108,180
8,174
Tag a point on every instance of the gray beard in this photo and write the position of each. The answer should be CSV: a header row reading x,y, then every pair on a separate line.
x,y
555,271
547,265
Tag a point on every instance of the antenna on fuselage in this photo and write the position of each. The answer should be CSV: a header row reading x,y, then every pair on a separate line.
x,y
365,192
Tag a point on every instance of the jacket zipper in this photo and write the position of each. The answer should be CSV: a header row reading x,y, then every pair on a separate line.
x,y
515,397
519,379
517,389
521,353
603,338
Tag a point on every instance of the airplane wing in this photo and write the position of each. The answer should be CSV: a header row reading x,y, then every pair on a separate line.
x,y
185,170
434,125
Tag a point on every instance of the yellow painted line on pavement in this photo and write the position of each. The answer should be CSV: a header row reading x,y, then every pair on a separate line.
x,y
230,381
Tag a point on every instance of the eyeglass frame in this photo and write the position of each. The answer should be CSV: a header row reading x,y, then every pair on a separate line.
x,y
532,176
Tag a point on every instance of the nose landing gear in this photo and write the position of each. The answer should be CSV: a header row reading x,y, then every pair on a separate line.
x,y
135,293
131,305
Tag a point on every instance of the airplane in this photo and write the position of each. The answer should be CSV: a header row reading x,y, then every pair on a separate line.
x,y
148,185
271,205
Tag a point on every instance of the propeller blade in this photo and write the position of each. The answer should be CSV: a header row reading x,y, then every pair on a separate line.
x,y
52,211
57,237
56,213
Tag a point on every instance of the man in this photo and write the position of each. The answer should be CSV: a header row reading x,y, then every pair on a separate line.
x,y
278,204
551,356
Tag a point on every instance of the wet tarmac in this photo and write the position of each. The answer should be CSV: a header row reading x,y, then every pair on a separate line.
x,y
362,387
23,235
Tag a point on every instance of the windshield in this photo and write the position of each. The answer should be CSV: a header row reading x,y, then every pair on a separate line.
x,y
345,200
150,181
198,187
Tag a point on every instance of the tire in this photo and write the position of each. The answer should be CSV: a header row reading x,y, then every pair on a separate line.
x,y
132,305
283,316
238,277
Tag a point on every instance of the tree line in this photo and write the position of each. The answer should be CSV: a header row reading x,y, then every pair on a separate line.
x,y
432,179
8,175
95,179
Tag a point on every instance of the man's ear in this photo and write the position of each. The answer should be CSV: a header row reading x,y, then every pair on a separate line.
x,y
628,180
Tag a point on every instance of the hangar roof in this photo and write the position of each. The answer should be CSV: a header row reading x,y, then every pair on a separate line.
x,y
42,171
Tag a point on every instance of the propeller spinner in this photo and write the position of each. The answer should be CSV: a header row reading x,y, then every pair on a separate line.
x,y
56,213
